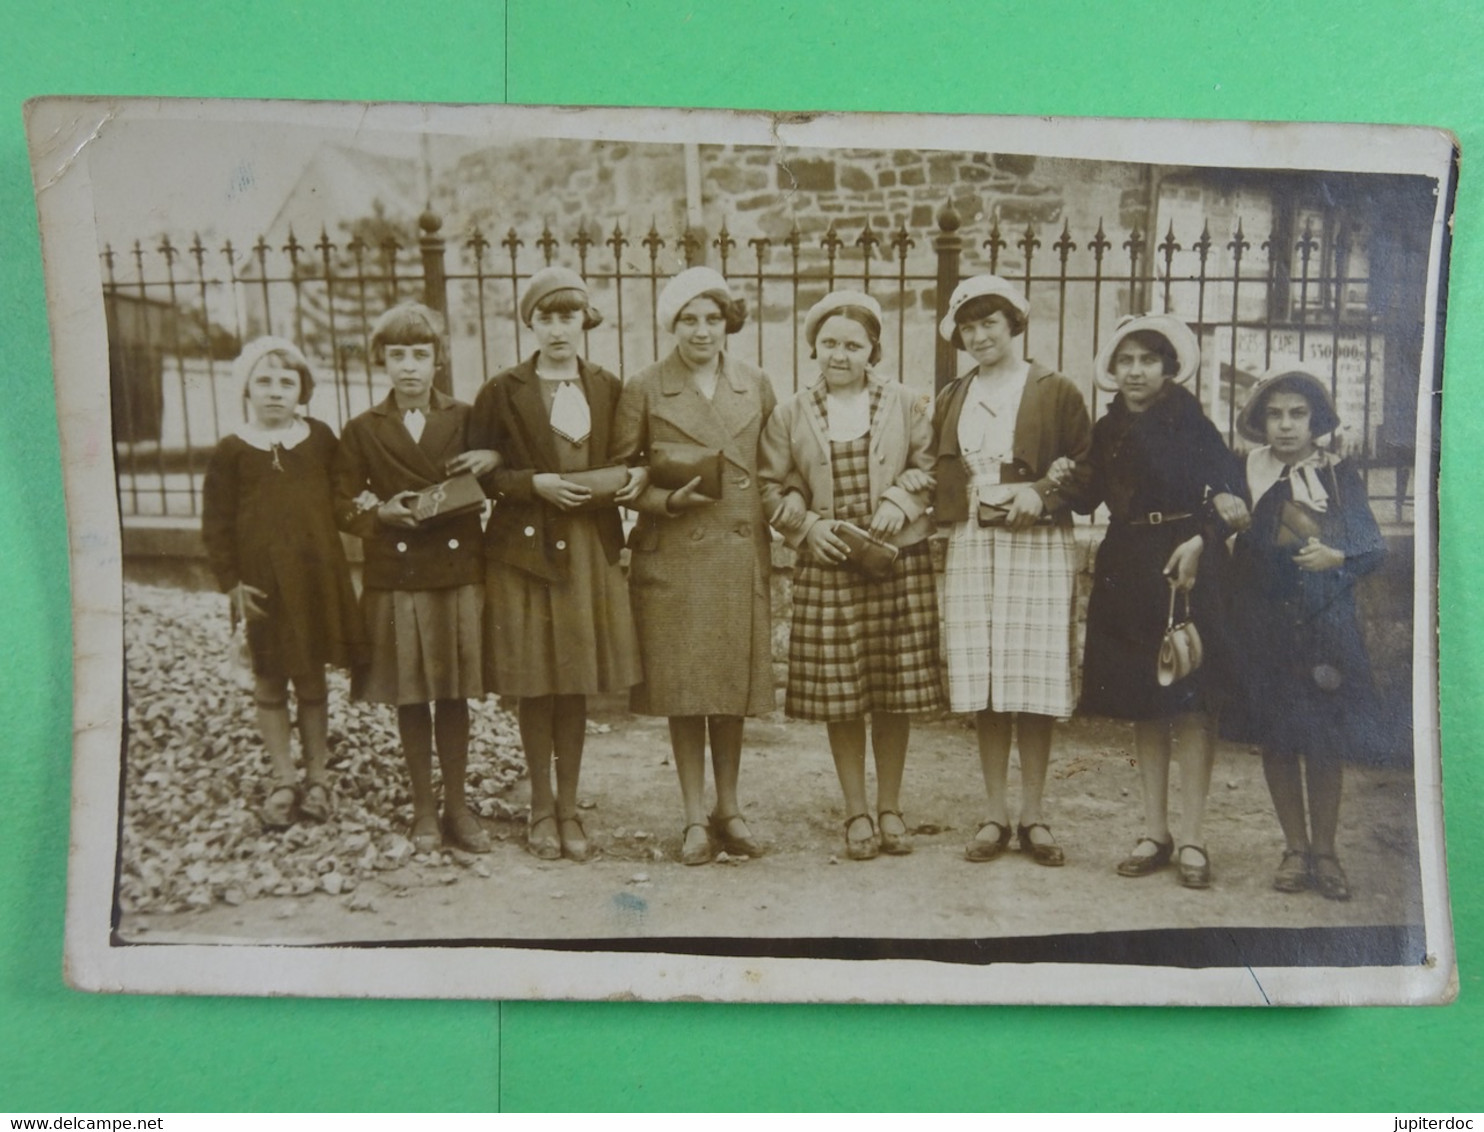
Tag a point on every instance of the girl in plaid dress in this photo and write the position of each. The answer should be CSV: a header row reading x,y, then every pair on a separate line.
x,y
1007,586
857,449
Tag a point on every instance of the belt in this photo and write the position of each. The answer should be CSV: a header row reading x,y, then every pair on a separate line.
x,y
1155,518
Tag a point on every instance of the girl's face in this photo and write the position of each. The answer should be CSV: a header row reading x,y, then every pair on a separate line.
x,y
843,347
1140,374
1288,421
272,394
989,339
700,332
558,333
410,368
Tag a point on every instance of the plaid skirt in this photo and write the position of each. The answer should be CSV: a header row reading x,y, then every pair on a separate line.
x,y
858,646
1007,618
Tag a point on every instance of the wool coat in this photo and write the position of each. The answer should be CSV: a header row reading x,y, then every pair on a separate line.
x,y
511,418
795,450
700,581
378,454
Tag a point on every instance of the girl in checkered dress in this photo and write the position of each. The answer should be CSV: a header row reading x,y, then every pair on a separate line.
x,y
1008,582
856,449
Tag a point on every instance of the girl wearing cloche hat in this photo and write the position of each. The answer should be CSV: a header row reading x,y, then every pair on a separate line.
x,y
700,568
855,450
1302,691
1174,492
1008,583
557,622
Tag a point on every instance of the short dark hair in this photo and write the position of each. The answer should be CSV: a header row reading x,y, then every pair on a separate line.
x,y
570,299
982,306
409,324
868,322
1155,343
1323,419
734,310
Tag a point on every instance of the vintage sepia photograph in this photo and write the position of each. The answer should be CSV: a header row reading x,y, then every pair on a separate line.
x,y
536,553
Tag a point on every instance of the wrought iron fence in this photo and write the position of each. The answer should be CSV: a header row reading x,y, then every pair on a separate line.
x,y
177,314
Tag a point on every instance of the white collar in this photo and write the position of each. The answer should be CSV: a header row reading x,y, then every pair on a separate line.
x,y
267,439
1265,469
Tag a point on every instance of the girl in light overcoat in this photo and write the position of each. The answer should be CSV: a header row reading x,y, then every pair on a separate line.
x,y
699,572
859,449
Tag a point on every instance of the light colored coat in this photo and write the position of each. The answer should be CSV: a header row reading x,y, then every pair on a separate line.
x,y
700,580
796,449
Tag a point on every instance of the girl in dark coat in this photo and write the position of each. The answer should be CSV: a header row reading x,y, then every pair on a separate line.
x,y
1303,691
269,528
1173,491
424,582
558,627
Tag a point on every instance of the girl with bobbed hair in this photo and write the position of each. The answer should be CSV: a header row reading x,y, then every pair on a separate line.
x,y
700,570
558,626
1001,431
1302,690
268,522
423,594
1174,492
857,449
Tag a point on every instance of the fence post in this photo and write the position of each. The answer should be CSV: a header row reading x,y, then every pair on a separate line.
x,y
435,282
948,244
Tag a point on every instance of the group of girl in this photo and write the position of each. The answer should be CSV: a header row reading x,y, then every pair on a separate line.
x,y
853,473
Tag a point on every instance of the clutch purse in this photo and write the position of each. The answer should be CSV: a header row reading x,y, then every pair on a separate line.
x,y
1180,651
869,556
995,514
1297,524
457,496
673,464
604,483
239,655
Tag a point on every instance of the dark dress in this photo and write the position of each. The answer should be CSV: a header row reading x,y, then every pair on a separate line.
x,y
1287,622
268,520
1165,461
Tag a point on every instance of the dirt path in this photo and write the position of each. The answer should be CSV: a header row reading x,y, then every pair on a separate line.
x,y
805,887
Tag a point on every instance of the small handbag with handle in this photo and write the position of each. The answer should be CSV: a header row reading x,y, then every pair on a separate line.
x,y
869,556
457,496
674,463
604,483
1297,524
1180,651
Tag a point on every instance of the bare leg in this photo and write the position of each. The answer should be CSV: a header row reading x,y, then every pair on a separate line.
x,y
992,729
415,725
1195,744
451,725
1286,785
726,760
848,746
890,732
688,743
569,734
1033,737
1152,750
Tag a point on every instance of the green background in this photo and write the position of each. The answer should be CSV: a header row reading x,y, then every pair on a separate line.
x,y
1355,60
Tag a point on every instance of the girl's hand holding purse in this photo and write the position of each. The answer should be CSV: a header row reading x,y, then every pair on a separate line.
x,y
825,544
1184,563
395,512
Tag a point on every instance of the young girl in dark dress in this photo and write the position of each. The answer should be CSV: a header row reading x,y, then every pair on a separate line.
x,y
269,526
1303,691
558,626
1174,492
424,582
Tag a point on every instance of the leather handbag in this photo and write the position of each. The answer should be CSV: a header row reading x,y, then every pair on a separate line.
x,y
869,556
604,483
995,514
1297,524
674,463
1180,651
457,496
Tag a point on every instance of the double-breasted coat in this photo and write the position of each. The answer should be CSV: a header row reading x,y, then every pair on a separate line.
x,y
700,580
